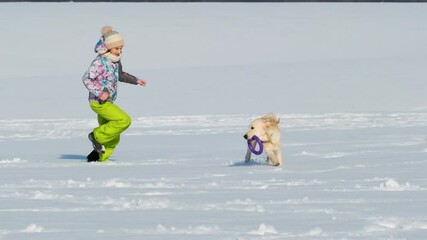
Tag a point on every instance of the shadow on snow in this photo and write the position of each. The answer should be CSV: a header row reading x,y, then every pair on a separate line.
x,y
248,164
72,157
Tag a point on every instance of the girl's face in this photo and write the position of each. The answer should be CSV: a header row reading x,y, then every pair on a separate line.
x,y
116,51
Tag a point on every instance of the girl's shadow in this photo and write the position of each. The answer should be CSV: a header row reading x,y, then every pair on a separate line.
x,y
72,157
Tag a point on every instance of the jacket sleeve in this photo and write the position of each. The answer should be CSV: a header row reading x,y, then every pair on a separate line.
x,y
126,77
91,79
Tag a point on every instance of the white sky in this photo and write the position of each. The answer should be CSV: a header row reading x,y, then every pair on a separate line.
x,y
208,34
291,43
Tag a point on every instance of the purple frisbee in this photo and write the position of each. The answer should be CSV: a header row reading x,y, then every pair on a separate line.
x,y
252,148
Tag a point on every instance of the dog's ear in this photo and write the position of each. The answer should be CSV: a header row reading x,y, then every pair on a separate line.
x,y
271,119
270,122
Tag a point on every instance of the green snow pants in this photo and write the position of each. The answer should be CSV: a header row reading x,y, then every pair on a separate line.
x,y
112,122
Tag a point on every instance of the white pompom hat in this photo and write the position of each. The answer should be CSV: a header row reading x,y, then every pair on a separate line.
x,y
112,39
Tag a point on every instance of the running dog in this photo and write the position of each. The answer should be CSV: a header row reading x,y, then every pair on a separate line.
x,y
267,129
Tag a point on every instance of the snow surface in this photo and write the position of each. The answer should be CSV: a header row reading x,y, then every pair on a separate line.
x,y
346,176
345,79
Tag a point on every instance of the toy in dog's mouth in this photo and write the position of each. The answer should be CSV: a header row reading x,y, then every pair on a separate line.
x,y
252,148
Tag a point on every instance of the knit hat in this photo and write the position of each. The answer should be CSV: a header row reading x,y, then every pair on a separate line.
x,y
112,39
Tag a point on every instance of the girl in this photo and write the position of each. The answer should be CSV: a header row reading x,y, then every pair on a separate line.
x,y
101,81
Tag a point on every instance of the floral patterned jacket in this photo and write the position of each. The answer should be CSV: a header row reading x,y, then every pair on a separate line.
x,y
103,76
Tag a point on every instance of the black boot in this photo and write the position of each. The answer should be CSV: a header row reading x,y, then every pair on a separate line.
x,y
93,156
96,145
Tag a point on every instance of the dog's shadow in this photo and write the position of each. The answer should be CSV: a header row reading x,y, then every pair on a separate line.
x,y
249,163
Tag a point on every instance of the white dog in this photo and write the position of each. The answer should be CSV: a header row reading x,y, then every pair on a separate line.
x,y
268,131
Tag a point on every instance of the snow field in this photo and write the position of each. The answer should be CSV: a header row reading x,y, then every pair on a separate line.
x,y
359,179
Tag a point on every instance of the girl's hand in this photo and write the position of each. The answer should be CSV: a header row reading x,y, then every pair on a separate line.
x,y
104,96
141,82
